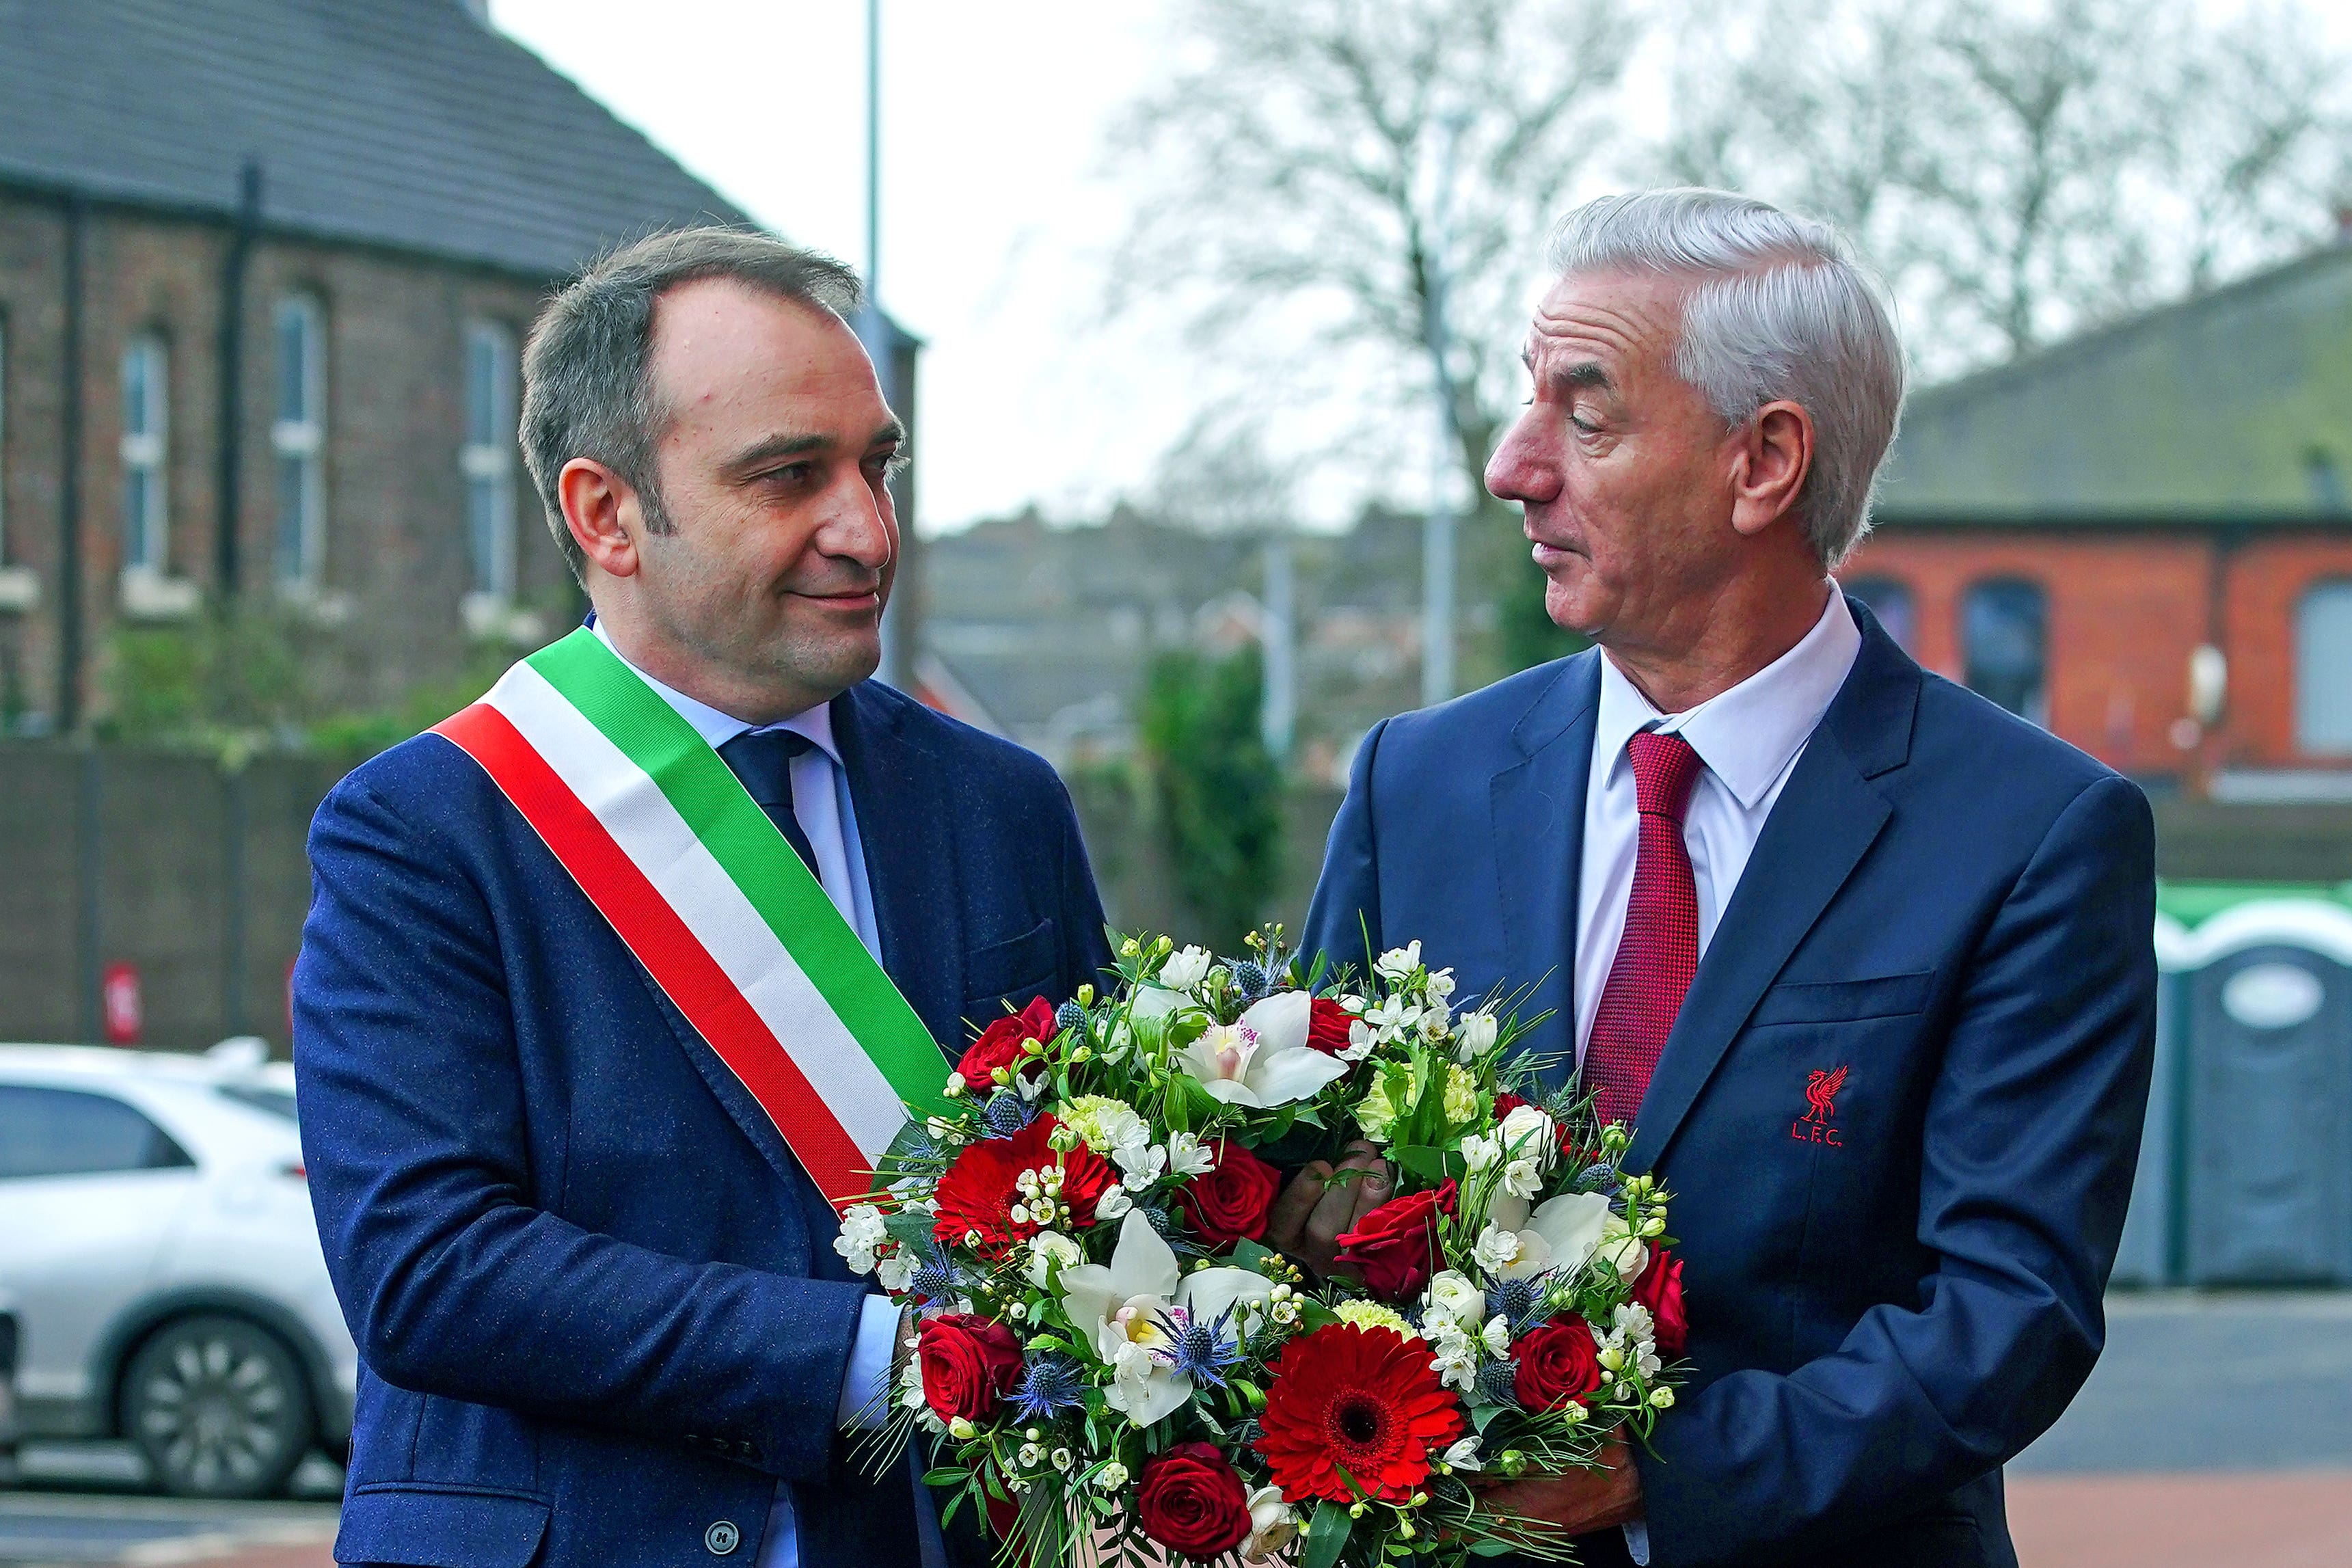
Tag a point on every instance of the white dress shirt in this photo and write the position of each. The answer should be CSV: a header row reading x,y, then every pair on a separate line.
x,y
1749,737
821,803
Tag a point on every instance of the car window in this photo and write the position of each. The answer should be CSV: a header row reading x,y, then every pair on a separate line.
x,y
69,1133
278,1102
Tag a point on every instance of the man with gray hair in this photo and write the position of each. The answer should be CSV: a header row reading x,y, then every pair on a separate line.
x,y
1865,960
612,984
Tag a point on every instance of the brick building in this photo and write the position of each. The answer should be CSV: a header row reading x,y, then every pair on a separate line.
x,y
265,267
2142,538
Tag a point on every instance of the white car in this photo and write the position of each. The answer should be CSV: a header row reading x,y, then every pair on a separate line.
x,y
155,1232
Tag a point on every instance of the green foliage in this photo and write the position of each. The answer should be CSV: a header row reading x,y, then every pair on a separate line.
x,y
230,683
363,732
1524,633
1215,789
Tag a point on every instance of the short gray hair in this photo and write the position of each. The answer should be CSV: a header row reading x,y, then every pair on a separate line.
x,y
1781,307
586,390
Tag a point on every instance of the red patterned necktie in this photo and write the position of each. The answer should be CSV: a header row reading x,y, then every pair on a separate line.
x,y
1659,951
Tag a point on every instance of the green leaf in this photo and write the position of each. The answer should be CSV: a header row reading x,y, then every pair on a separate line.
x,y
1429,1163
1179,1120
947,1476
908,1228
1327,1535
1492,1549
1482,1416
1248,1254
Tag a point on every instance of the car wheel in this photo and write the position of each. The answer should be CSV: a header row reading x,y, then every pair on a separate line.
x,y
219,1408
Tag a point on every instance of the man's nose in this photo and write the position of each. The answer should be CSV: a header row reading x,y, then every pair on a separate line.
x,y
855,528
1519,470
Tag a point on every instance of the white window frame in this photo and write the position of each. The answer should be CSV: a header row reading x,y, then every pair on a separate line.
x,y
302,441
2325,596
20,589
146,452
486,468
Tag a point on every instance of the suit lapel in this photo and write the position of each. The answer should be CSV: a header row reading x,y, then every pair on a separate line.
x,y
1826,819
906,829
1539,828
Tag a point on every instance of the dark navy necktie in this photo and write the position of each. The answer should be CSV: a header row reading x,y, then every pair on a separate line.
x,y
762,760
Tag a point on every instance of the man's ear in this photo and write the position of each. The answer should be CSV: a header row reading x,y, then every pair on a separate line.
x,y
1775,453
602,511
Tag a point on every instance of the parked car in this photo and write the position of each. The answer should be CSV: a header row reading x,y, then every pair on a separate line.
x,y
167,1275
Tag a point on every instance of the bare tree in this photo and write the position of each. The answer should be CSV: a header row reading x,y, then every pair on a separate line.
x,y
1311,160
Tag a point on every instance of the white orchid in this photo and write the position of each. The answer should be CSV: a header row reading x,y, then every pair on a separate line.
x,y
1122,1310
1274,1523
1186,969
1264,1060
1562,1233
1398,962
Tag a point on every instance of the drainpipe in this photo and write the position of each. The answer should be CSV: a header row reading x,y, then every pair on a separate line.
x,y
70,562
232,385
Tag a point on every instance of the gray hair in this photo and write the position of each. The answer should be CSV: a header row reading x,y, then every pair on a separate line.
x,y
1781,307
586,390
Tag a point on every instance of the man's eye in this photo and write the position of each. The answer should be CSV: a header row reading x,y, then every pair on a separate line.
x,y
1584,425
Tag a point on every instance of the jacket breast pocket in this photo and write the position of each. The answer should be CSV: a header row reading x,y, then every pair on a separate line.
x,y
440,1527
1029,962
1845,1001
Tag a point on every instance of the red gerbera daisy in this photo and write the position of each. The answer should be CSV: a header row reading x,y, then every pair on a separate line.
x,y
978,1191
1359,1401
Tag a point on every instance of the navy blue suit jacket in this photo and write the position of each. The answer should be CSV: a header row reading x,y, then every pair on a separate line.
x,y
597,1308
1946,902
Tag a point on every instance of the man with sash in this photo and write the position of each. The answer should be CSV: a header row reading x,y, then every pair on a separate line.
x,y
616,984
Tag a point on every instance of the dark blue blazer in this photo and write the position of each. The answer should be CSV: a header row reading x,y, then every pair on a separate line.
x,y
597,1308
1953,907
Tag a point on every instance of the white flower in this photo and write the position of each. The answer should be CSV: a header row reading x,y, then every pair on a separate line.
x,y
1451,1292
1185,969
1121,1311
1474,1033
896,1272
1048,1249
1263,1060
1111,1205
1480,1150
1496,1249
1523,1177
1662,1398
1434,1019
1143,1161
1360,1040
1104,1123
1393,1019
1186,1157
1463,1456
862,1234
1562,1233
1111,1476
1528,1130
1496,1335
1398,962
955,1084
1441,983
1456,1361
1273,1525
1616,1246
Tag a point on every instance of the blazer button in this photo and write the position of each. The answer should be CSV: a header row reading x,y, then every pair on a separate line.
x,y
723,1538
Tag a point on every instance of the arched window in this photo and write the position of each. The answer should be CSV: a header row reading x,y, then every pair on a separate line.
x,y
2323,670
2004,639
1889,599
298,438
146,440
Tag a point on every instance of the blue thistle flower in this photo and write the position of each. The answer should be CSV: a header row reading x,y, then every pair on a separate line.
x,y
1050,1384
1069,1015
1599,1177
1200,1350
1499,1382
1006,1113
936,1277
1514,1300
1249,978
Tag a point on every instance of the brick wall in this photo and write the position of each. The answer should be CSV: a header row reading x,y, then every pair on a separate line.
x,y
395,551
2126,609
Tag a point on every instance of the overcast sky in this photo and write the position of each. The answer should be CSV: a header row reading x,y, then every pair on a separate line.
x,y
994,210
998,206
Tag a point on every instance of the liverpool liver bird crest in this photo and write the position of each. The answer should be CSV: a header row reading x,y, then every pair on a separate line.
x,y
1820,1093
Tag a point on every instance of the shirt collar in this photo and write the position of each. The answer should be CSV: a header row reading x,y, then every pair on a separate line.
x,y
715,728
1747,735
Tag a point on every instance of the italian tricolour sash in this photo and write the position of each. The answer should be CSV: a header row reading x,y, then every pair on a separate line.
x,y
704,889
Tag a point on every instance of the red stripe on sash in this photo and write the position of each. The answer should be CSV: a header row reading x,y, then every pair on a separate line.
x,y
677,958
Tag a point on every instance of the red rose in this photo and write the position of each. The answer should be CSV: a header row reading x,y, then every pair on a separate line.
x,y
999,1045
1190,1500
1326,1026
1558,1363
1230,1202
1505,1103
968,1364
1660,1289
1394,1247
